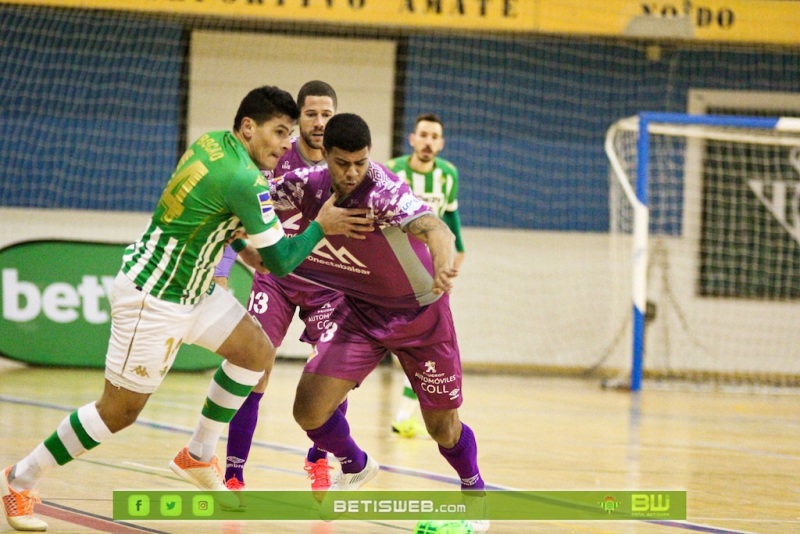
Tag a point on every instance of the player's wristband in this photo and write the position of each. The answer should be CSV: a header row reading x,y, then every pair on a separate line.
x,y
238,245
282,257
223,269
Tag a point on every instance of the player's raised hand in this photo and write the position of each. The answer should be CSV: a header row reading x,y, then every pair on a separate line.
x,y
349,222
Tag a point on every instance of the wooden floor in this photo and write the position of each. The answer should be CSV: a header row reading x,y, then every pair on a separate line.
x,y
736,455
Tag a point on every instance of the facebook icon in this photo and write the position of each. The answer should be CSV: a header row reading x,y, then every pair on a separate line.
x,y
138,505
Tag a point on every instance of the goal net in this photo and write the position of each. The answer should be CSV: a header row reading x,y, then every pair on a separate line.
x,y
705,226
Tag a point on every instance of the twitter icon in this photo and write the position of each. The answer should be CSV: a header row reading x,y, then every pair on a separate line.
x,y
171,505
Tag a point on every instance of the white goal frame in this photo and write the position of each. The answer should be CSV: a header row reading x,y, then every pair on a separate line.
x,y
692,127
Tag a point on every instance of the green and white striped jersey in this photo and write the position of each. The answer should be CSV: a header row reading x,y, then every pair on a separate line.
x,y
438,188
215,189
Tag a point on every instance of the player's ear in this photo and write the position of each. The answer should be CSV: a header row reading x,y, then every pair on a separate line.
x,y
411,138
246,127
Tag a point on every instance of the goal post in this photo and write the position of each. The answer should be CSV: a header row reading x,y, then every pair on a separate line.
x,y
727,222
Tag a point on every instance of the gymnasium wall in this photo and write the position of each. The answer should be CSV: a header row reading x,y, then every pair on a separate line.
x,y
95,109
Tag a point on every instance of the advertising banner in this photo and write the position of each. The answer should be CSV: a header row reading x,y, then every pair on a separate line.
x,y
55,310
399,505
759,21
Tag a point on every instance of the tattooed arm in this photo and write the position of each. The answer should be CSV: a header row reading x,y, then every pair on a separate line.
x,y
441,242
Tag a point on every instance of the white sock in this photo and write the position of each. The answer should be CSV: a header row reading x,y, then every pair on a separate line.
x,y
226,394
77,433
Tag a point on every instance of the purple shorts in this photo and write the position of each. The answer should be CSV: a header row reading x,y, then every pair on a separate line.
x,y
424,340
273,301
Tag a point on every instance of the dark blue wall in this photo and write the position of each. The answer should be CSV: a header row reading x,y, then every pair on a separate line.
x,y
90,112
525,119
89,109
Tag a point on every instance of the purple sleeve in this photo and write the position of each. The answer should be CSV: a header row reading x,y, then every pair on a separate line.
x,y
394,203
226,263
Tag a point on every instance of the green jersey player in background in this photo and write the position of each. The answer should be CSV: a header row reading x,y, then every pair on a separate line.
x,y
164,296
434,180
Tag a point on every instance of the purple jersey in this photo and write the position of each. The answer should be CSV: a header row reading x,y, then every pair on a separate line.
x,y
291,159
389,268
273,300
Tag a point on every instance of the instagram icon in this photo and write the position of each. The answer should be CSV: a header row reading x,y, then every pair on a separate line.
x,y
202,505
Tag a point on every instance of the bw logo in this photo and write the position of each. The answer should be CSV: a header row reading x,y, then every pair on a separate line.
x,y
649,503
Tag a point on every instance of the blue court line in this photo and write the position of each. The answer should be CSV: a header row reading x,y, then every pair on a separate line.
x,y
697,528
388,468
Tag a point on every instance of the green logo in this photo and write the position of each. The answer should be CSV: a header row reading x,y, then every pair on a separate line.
x,y
138,505
171,505
202,505
609,504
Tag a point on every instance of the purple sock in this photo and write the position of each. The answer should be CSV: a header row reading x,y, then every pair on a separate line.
x,y
315,453
464,459
240,437
334,436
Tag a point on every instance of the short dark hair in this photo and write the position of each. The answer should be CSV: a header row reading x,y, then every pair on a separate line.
x,y
264,103
316,88
428,117
348,132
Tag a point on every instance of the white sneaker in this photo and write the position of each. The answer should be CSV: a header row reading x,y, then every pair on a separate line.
x,y
18,506
480,526
353,481
206,476
347,482
477,505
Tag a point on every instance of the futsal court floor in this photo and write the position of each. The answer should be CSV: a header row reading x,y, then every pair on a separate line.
x,y
736,454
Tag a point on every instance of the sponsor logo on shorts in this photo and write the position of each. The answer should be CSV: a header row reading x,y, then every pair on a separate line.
x,y
321,318
140,370
437,383
322,313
